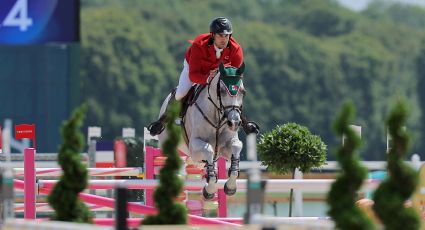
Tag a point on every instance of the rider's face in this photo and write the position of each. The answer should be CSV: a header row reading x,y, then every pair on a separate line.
x,y
221,40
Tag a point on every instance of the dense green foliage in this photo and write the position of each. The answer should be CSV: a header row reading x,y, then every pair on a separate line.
x,y
64,197
402,179
291,146
170,185
304,58
341,198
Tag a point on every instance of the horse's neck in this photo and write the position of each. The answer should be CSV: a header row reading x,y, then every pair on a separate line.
x,y
207,106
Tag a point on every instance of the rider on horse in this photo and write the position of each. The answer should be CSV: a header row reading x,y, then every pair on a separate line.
x,y
201,63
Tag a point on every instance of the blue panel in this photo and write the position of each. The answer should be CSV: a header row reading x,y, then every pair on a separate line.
x,y
46,21
104,146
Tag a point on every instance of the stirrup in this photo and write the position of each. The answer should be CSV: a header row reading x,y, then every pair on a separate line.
x,y
156,128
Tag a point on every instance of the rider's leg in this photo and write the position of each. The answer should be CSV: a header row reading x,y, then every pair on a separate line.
x,y
184,82
158,126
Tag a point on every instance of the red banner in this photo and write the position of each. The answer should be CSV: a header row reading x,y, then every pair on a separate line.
x,y
25,131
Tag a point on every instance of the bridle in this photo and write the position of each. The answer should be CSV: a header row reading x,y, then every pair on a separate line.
x,y
221,112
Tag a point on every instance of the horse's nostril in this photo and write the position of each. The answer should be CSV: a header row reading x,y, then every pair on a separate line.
x,y
229,123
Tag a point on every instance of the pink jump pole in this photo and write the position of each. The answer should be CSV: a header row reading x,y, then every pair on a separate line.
x,y
29,183
222,199
149,170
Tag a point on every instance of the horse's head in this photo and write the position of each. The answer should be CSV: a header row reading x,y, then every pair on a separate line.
x,y
230,93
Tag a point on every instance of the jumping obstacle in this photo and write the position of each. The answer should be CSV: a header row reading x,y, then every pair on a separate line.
x,y
132,207
44,187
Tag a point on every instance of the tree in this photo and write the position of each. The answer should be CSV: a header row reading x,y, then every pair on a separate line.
x,y
64,196
341,197
289,147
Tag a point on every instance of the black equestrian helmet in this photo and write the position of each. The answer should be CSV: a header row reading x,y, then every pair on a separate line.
x,y
221,25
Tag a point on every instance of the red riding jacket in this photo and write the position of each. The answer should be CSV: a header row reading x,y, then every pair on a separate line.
x,y
201,57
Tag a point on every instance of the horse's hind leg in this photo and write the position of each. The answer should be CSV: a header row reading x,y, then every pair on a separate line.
x,y
233,173
203,151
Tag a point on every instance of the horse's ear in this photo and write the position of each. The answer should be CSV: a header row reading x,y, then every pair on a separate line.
x,y
222,70
241,69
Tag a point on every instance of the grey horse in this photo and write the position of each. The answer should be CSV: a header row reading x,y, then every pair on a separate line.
x,y
211,124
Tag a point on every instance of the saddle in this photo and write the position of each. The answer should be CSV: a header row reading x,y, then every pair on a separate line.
x,y
190,98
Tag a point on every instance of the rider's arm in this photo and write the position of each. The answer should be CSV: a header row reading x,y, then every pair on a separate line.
x,y
237,58
195,65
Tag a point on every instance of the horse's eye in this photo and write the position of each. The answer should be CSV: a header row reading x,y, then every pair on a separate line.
x,y
223,92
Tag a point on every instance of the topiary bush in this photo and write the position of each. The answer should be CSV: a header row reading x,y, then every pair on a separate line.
x,y
169,212
288,147
291,146
343,194
402,180
64,197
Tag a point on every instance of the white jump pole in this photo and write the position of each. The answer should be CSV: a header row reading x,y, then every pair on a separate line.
x,y
317,185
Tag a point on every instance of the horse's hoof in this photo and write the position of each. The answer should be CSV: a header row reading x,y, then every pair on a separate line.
x,y
228,191
207,196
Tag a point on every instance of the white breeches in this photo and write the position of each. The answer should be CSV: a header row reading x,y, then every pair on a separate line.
x,y
184,82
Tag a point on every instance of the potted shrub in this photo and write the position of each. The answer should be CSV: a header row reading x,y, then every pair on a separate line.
x,y
289,147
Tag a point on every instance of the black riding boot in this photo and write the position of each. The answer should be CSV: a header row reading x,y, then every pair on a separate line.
x,y
156,127
250,127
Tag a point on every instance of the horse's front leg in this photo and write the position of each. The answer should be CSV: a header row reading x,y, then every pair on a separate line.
x,y
203,151
233,173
